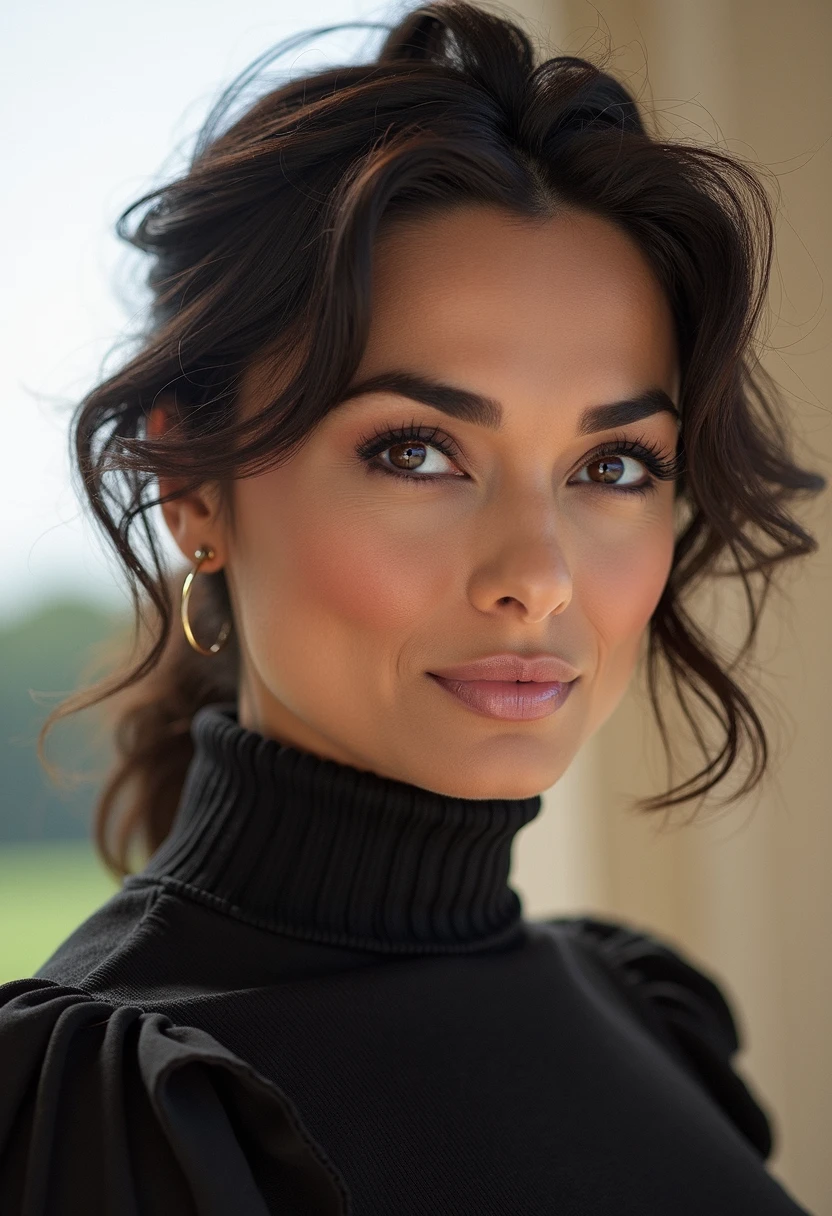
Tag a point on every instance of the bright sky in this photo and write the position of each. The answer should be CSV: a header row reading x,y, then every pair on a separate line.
x,y
100,102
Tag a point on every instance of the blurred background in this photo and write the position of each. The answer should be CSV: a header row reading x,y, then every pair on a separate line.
x,y
101,103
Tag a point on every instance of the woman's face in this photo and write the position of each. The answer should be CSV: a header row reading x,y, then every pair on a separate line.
x,y
352,579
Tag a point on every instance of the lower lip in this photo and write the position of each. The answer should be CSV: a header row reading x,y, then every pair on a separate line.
x,y
514,701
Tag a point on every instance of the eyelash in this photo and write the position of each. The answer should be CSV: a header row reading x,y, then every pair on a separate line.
x,y
660,466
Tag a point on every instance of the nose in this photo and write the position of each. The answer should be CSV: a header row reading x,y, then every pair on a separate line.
x,y
525,570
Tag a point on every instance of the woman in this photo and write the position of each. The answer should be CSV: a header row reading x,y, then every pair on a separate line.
x,y
449,393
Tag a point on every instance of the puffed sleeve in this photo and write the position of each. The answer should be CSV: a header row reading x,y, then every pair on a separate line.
x,y
686,1009
112,1110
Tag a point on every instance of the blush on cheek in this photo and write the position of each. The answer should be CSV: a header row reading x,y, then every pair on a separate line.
x,y
321,556
351,570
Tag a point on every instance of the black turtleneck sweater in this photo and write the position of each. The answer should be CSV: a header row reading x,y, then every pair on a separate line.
x,y
321,996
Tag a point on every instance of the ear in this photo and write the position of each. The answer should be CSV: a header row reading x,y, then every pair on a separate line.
x,y
192,520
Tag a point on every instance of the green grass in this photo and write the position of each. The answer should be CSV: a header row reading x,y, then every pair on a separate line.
x,y
46,890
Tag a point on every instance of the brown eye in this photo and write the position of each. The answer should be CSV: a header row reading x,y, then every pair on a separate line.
x,y
610,468
407,455
405,450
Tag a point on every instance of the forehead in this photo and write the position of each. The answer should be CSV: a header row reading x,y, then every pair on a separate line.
x,y
569,301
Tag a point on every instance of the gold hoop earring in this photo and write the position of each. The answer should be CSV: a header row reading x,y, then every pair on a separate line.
x,y
200,556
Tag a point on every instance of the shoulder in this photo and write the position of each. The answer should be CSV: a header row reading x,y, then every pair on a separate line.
x,y
107,932
105,1101
683,1004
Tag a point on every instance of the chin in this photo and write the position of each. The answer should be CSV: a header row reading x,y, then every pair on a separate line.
x,y
510,790
512,779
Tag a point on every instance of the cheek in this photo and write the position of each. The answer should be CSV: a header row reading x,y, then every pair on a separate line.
x,y
335,564
361,574
620,586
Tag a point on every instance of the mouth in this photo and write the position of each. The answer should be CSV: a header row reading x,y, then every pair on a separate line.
x,y
512,700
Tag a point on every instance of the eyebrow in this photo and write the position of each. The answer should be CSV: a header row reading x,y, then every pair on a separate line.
x,y
487,411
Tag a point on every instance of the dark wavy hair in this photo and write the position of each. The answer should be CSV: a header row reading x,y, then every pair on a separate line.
x,y
263,248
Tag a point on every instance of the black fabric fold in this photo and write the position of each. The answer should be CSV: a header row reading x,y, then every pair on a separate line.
x,y
114,1110
687,1010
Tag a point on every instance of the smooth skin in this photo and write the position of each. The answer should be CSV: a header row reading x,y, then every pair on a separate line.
x,y
350,584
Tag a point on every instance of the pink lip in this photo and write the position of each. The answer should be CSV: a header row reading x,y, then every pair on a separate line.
x,y
544,667
509,700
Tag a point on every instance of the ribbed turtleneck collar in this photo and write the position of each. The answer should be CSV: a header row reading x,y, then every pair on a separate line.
x,y
323,851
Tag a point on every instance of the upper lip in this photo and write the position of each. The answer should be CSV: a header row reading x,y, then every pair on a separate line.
x,y
544,668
